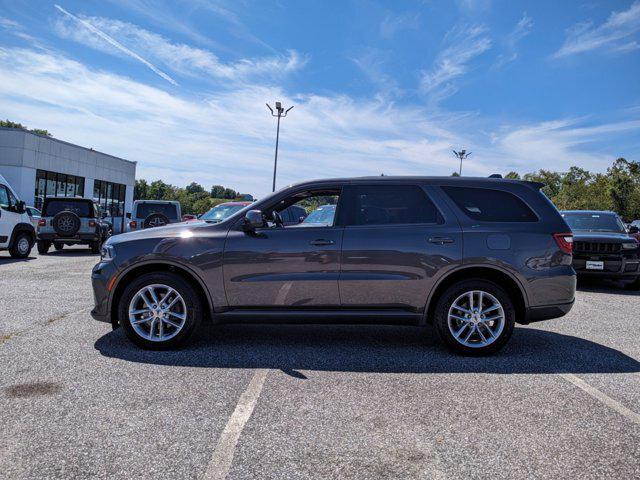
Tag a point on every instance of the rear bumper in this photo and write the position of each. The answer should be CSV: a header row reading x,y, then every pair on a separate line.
x,y
80,238
547,312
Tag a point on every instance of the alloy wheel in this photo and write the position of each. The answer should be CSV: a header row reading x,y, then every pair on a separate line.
x,y
476,319
157,312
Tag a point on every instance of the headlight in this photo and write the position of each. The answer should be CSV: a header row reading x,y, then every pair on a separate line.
x,y
107,253
630,245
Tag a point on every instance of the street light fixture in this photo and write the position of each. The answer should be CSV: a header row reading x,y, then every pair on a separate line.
x,y
462,154
281,114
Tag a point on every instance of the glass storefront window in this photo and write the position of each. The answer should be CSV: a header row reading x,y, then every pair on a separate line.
x,y
53,184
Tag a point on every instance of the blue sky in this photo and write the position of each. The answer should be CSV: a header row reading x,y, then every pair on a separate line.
x,y
378,87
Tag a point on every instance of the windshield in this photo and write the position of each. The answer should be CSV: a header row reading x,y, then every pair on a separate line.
x,y
594,222
220,212
169,210
322,215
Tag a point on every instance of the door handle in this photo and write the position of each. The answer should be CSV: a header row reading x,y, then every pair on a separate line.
x,y
440,240
321,242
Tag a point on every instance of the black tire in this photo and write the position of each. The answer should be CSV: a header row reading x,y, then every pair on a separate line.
x,y
58,246
447,299
43,247
20,249
635,285
95,246
155,220
66,224
191,299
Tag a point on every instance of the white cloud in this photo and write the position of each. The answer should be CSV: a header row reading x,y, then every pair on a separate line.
x,y
227,137
180,58
113,42
614,35
392,23
371,63
521,30
463,44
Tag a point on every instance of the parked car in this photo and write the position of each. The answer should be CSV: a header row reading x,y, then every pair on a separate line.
x,y
222,211
34,215
470,256
71,221
603,247
153,213
16,232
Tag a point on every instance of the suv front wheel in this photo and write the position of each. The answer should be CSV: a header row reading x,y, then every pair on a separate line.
x,y
474,317
159,311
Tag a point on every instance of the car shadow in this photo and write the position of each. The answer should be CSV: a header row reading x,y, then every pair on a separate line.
x,y
7,260
605,286
383,349
71,253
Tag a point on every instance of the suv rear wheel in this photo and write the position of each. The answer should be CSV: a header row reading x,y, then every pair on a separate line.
x,y
21,247
474,317
43,247
159,311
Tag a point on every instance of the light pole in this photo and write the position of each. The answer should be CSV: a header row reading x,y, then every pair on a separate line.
x,y
281,114
462,154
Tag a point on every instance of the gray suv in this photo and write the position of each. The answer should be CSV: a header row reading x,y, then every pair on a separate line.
x,y
469,256
71,221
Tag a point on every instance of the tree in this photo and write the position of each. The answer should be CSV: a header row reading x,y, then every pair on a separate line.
x,y
194,188
217,191
512,176
141,190
10,124
229,193
158,190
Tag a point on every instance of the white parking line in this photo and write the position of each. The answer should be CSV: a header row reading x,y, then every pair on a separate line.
x,y
601,397
222,457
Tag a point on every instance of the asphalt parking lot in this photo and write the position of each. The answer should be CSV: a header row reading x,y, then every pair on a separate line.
x,y
77,400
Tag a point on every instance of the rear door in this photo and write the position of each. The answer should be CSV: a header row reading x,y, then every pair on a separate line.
x,y
398,240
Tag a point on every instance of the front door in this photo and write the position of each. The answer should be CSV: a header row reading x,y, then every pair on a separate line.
x,y
396,244
8,217
293,266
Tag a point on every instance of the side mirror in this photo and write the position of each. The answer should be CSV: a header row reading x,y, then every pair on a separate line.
x,y
253,220
128,215
301,219
633,229
21,207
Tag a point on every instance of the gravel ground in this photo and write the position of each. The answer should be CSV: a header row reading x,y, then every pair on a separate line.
x,y
77,400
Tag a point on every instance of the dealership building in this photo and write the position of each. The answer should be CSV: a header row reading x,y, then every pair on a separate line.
x,y
37,166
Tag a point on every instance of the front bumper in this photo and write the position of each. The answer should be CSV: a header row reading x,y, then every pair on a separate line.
x,y
615,266
102,276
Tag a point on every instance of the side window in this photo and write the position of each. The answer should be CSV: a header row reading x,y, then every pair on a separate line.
x,y
4,197
390,205
12,198
489,205
304,204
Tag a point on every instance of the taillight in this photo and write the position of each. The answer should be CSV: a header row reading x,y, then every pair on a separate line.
x,y
564,241
42,222
133,224
92,224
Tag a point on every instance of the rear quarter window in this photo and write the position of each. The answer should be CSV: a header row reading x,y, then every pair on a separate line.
x,y
490,205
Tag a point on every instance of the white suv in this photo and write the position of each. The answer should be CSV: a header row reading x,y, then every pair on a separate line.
x,y
16,232
153,213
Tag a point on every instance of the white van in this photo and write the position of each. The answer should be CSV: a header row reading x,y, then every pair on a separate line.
x,y
16,232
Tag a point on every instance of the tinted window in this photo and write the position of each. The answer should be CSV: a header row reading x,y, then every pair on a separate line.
x,y
594,222
166,209
390,204
82,209
487,205
220,212
4,196
322,215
